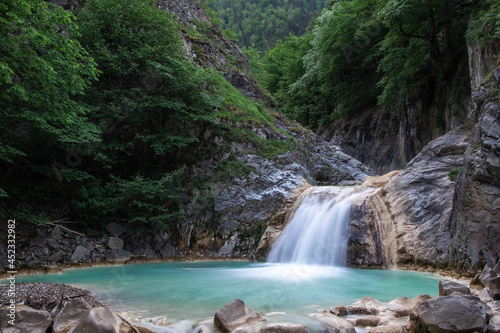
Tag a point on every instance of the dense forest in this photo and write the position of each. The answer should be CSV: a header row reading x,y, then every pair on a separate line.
x,y
262,23
366,53
102,111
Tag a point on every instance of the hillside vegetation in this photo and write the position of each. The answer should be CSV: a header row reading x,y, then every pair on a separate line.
x,y
103,113
262,23
364,53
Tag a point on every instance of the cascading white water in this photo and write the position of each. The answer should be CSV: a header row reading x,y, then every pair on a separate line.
x,y
318,231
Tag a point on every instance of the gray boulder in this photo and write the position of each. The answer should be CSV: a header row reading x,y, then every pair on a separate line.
x,y
38,241
68,315
27,319
99,320
56,257
494,287
81,254
114,243
56,233
234,315
115,229
448,288
458,313
52,243
335,324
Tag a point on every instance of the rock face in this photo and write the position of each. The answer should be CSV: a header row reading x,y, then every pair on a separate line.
x,y
449,314
443,208
476,207
407,220
235,315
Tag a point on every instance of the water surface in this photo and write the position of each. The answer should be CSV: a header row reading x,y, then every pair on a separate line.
x,y
176,293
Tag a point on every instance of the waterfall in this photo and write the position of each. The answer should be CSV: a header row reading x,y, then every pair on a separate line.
x,y
318,231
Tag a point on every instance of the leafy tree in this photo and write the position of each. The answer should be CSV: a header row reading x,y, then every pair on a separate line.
x,y
43,70
148,96
150,101
425,41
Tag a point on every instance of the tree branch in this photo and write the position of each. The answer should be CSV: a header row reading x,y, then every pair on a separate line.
x,y
412,35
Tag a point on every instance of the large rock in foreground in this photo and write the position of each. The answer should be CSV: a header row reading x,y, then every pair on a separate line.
x,y
457,314
27,319
68,315
236,315
99,320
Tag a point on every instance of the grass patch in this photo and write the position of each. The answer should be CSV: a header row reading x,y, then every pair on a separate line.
x,y
453,174
240,108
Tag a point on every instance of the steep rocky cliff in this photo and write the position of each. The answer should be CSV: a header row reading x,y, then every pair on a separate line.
x,y
443,208
386,141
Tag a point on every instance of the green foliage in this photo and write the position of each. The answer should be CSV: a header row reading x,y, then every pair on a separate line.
x,y
148,204
453,174
262,23
485,22
41,71
148,92
238,107
367,52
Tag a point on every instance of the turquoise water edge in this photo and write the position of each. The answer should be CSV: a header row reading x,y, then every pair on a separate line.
x,y
171,293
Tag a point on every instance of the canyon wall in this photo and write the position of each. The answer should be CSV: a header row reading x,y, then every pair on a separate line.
x,y
443,209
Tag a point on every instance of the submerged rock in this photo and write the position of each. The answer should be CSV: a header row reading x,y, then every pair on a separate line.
x,y
335,324
459,313
235,315
370,321
393,328
284,328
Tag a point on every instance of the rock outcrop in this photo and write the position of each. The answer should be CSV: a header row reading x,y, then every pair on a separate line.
x,y
236,315
443,208
26,319
449,314
407,220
